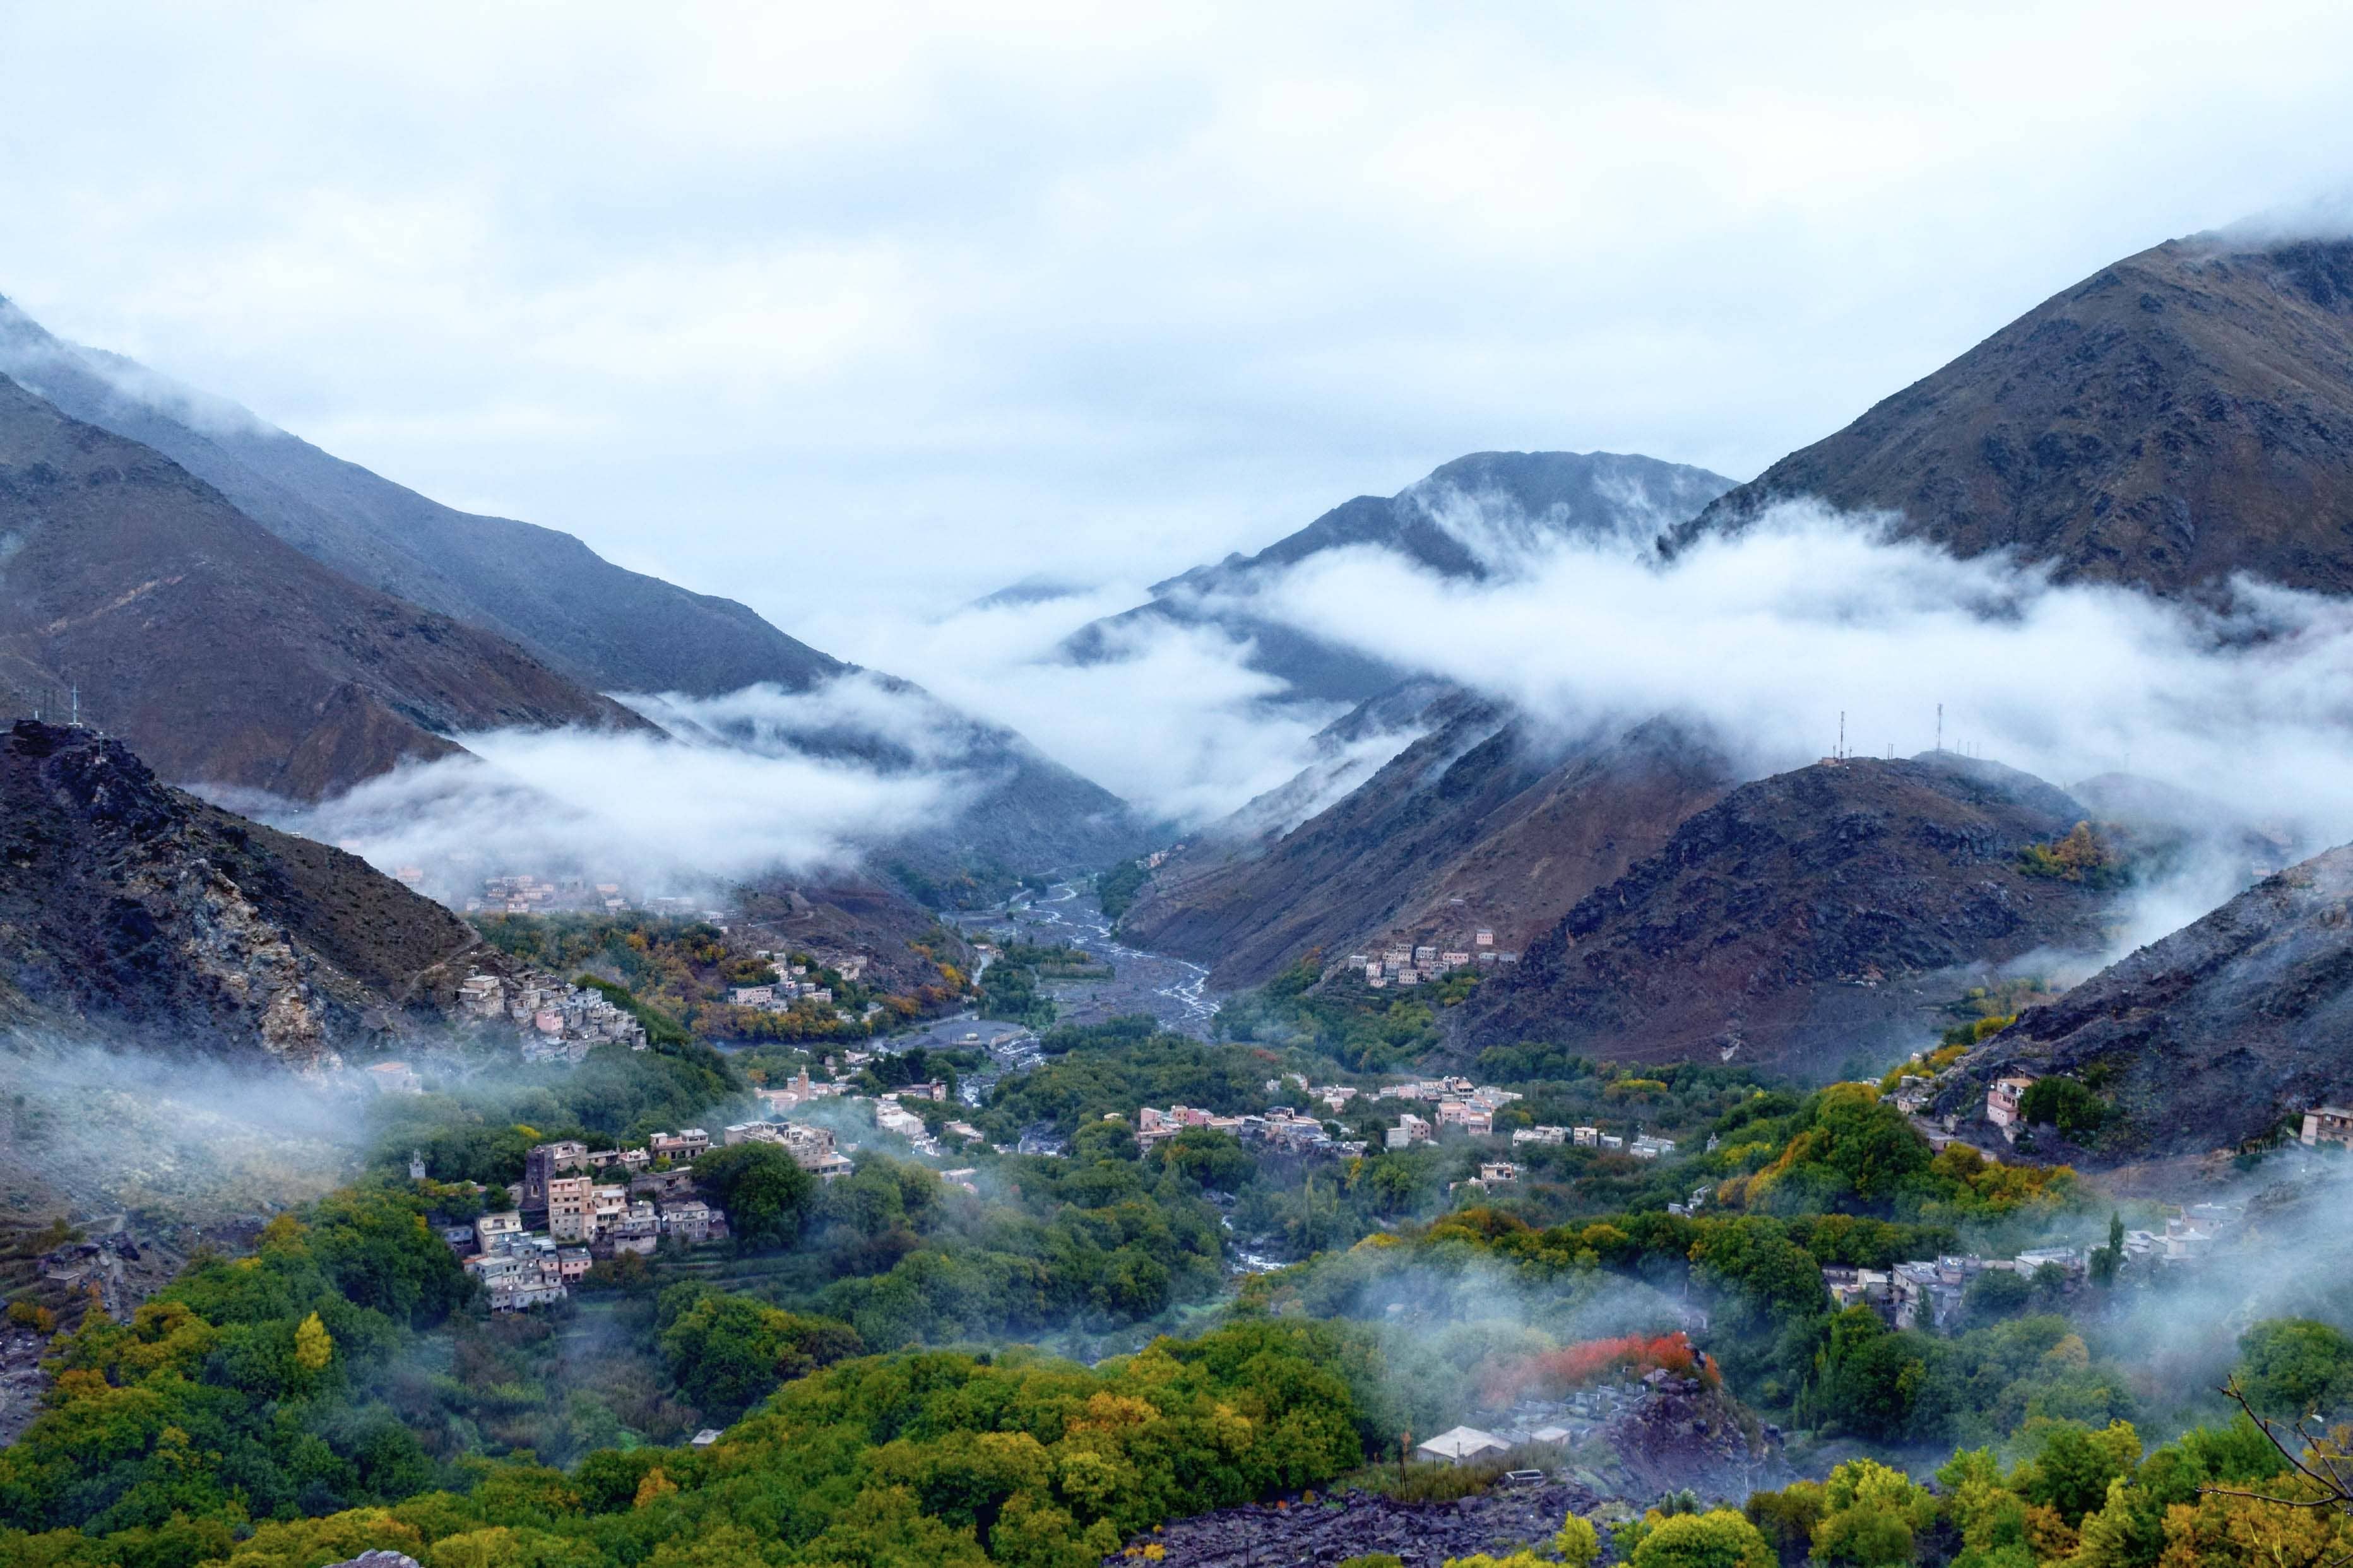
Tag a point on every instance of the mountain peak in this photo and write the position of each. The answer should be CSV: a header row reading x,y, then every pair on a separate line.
x,y
2181,416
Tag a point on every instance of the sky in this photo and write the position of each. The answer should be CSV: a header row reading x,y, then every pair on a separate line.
x,y
859,312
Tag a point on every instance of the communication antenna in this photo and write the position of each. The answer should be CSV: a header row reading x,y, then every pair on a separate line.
x,y
77,705
1940,726
1841,752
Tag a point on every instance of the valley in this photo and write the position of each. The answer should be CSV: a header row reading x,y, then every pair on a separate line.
x,y
510,1061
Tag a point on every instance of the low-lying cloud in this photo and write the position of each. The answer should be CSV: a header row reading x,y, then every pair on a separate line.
x,y
1770,637
675,815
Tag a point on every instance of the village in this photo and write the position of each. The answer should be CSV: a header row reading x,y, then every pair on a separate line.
x,y
575,1207
1417,964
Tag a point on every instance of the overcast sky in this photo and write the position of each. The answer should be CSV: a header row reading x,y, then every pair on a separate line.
x,y
852,309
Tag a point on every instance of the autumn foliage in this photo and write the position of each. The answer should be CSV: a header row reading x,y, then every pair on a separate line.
x,y
1555,1373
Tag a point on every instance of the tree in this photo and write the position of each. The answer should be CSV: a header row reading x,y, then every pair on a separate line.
x,y
2106,1261
1997,1293
314,1346
763,1191
1579,1543
2294,1368
1718,1539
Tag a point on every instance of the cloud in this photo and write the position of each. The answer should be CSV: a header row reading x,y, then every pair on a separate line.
x,y
772,296
2244,716
1176,722
663,816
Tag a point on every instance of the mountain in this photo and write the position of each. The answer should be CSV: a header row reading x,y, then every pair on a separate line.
x,y
1803,920
224,655
1482,821
601,626
2181,415
2206,1039
523,597
135,908
1472,519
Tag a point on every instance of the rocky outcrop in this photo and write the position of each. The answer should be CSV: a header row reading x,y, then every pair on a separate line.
x,y
131,908
2205,1039
1803,920
1264,1535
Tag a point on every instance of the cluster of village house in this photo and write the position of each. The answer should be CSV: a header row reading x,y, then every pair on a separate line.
x,y
2005,1101
552,1021
527,894
1456,1105
891,1113
1412,965
1927,1293
576,1205
556,1021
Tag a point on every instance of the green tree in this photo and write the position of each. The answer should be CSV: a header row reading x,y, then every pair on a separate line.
x,y
763,1191
1577,1543
1718,1539
2293,1367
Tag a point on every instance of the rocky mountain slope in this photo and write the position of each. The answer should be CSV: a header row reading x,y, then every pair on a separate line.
x,y
1471,519
2208,1037
137,910
2179,417
1803,920
603,626
511,586
222,654
1483,821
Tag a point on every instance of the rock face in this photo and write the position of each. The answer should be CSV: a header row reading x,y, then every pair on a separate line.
x,y
2181,415
1263,1535
1480,809
130,906
2208,1037
224,655
1471,518
1799,922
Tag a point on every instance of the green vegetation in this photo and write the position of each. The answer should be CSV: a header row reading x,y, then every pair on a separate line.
x,y
1845,1151
2295,1367
1010,986
2094,858
480,1132
1344,1020
2064,1103
1117,888
345,1387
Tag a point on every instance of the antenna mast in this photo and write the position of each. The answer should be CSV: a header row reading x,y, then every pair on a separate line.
x,y
1841,752
1940,727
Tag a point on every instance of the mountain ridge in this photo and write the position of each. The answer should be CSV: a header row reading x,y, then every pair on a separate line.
x,y
1466,520
224,655
1802,919
2181,415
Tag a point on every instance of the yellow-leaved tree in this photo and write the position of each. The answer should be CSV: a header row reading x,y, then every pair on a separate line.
x,y
314,1346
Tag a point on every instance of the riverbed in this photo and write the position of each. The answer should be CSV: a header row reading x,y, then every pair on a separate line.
x,y
1172,990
